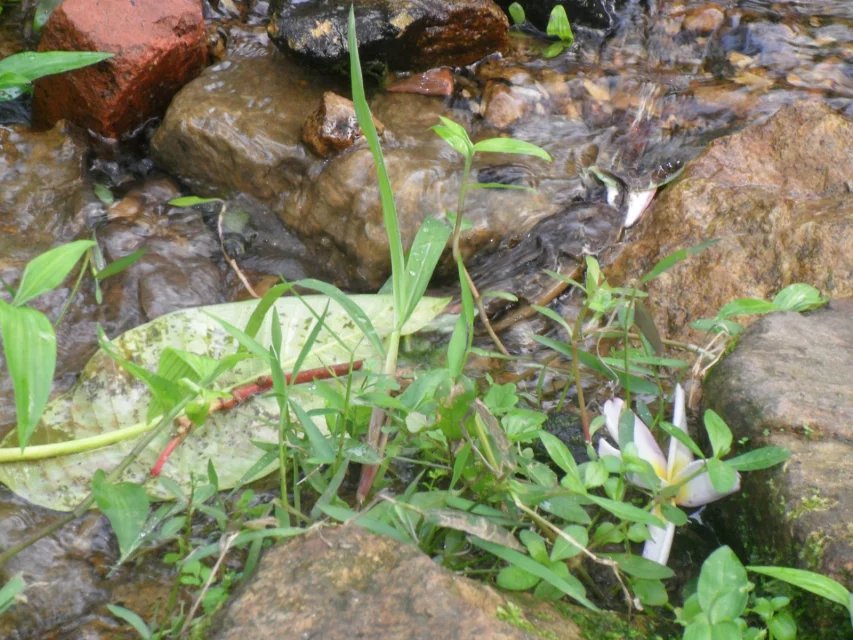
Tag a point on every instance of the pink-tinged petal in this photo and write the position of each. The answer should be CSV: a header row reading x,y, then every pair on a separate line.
x,y
612,410
679,455
648,449
606,449
699,490
657,547
636,204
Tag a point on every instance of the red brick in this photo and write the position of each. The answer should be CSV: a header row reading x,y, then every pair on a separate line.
x,y
159,46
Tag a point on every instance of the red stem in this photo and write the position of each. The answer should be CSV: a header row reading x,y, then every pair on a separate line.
x,y
244,392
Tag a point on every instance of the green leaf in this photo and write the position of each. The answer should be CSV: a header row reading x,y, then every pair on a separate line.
x,y
126,506
454,135
799,297
810,581
192,201
756,459
559,453
512,578
650,592
426,250
109,409
719,433
117,266
29,344
723,586
723,477
132,618
103,193
626,511
389,208
10,592
553,50
33,65
511,145
563,549
48,270
783,626
558,25
570,586
674,258
516,12
745,307
640,567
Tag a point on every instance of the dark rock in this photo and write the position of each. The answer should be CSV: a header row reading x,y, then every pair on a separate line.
x,y
158,48
599,14
344,583
775,195
787,383
333,127
415,34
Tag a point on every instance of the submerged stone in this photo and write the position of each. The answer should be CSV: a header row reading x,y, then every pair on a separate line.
x,y
402,34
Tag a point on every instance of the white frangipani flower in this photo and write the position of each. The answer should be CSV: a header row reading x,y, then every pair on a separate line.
x,y
678,467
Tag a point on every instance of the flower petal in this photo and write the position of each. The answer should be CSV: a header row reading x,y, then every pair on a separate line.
x,y
679,455
606,449
657,547
699,490
612,410
636,202
648,449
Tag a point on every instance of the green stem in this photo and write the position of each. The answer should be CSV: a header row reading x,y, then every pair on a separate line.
x,y
576,372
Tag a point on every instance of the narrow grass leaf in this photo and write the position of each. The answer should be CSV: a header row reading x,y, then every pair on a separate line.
x,y
674,258
192,201
426,250
117,266
48,270
361,319
29,344
480,526
810,581
33,65
567,585
640,567
626,511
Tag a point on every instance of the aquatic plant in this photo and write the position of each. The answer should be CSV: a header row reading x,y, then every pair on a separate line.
x,y
18,71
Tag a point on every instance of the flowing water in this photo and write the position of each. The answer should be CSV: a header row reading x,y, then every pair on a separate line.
x,y
672,77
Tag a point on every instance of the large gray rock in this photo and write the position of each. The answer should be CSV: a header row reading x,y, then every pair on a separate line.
x,y
788,383
776,196
405,34
345,583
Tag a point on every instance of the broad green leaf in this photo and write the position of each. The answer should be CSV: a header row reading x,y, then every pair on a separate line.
x,y
650,592
10,591
513,578
48,270
641,567
559,453
723,586
626,511
756,459
558,25
745,307
126,507
36,64
674,258
511,145
564,549
516,12
107,406
454,135
723,477
567,585
132,618
810,581
424,254
799,297
29,344
718,432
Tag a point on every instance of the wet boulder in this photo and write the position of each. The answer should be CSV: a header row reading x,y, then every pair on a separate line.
x,y
787,383
158,48
776,197
599,14
407,34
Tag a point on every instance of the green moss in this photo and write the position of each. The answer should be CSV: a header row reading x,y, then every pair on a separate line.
x,y
512,614
612,626
813,502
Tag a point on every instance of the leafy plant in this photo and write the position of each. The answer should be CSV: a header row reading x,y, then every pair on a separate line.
x,y
18,71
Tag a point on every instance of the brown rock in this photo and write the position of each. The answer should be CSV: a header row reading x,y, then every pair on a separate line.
x,y
777,198
158,48
333,127
705,19
787,383
344,583
435,82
